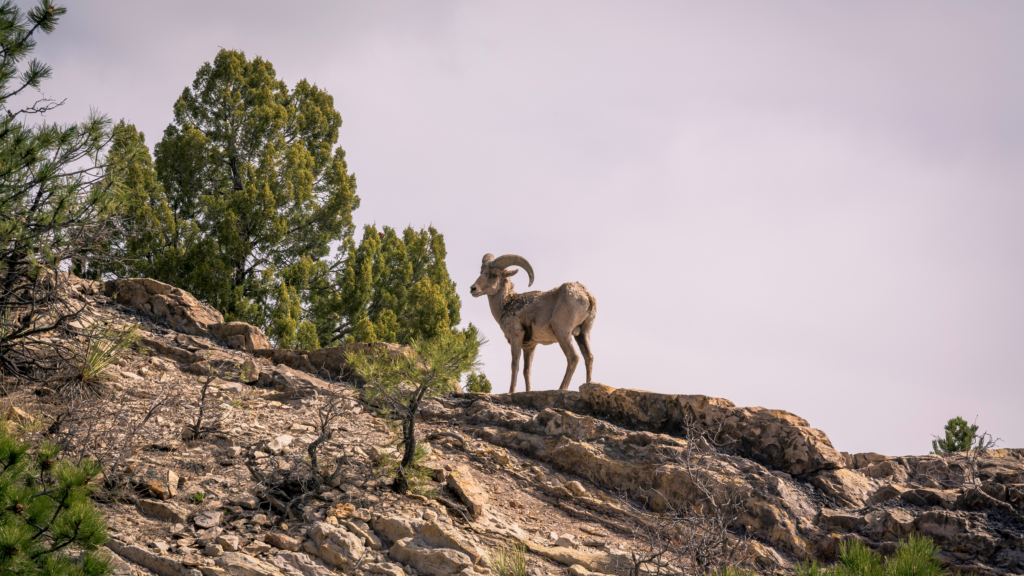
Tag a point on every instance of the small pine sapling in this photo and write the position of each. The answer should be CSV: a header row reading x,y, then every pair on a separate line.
x,y
400,383
959,437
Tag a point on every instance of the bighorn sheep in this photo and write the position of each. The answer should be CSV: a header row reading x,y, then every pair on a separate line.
x,y
537,317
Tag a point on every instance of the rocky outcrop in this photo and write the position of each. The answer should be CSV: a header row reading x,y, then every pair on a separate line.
x,y
774,438
183,312
878,499
653,467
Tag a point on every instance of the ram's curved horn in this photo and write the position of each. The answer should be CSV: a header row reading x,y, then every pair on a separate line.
x,y
487,258
513,260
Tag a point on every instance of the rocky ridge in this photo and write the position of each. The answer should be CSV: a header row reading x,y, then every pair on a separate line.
x,y
548,469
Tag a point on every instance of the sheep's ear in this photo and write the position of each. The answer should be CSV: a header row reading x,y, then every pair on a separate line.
x,y
508,273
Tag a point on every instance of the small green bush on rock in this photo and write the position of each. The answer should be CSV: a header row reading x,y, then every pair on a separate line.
x,y
959,437
477,382
915,557
46,514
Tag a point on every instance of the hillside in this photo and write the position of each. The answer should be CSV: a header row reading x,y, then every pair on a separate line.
x,y
580,478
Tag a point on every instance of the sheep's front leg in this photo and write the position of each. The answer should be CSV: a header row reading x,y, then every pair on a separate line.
x,y
517,348
527,364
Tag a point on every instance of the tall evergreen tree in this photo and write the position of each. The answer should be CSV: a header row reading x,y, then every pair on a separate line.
x,y
393,288
257,189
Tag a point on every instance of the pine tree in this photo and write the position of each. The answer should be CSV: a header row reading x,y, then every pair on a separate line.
x,y
45,512
57,209
256,191
400,383
959,437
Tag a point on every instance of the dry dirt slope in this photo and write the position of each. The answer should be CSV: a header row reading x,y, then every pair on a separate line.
x,y
535,465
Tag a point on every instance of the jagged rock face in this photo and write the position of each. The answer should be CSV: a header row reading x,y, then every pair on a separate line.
x,y
773,438
184,312
882,500
652,466
179,308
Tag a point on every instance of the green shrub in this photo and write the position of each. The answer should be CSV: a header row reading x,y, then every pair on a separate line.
x,y
914,557
477,382
45,512
959,437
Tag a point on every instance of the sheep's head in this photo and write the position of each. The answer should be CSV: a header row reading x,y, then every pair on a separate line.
x,y
493,273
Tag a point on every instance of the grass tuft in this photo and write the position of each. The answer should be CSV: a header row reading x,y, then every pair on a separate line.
x,y
508,559
916,556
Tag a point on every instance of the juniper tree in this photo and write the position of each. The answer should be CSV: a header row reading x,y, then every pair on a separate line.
x,y
393,288
257,190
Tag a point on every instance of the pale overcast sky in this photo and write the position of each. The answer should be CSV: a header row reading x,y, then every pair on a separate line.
x,y
809,206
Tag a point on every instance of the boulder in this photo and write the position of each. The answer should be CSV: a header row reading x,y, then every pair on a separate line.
x,y
175,306
592,561
429,560
160,483
440,536
889,524
291,384
162,565
208,518
472,494
928,497
885,493
362,530
282,542
847,487
839,519
865,459
163,510
888,470
240,336
638,462
395,528
335,546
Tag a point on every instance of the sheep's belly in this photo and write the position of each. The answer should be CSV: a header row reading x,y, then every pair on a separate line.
x,y
543,336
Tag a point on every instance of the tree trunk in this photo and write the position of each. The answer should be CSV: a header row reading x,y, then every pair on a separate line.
x,y
401,484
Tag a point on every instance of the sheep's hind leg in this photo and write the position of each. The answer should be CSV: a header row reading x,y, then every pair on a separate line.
x,y
517,348
583,341
571,358
527,365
